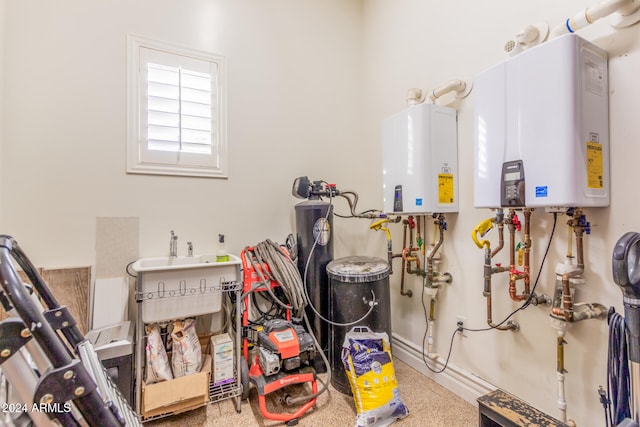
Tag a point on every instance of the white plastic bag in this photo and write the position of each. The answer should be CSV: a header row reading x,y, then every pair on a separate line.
x,y
158,368
186,358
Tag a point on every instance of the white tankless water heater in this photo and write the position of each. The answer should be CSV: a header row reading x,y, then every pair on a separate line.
x,y
542,128
420,160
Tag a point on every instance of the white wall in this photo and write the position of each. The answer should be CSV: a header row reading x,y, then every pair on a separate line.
x,y
294,89
413,43
309,84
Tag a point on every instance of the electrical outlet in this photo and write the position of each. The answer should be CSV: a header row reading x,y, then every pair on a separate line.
x,y
461,322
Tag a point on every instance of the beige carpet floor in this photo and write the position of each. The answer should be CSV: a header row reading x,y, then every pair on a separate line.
x,y
430,405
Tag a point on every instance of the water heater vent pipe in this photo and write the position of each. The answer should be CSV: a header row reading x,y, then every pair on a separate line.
x,y
462,88
627,13
529,36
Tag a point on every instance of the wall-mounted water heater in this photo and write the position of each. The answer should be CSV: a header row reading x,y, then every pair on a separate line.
x,y
542,128
420,160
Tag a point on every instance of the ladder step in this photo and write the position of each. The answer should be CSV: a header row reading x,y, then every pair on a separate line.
x,y
500,409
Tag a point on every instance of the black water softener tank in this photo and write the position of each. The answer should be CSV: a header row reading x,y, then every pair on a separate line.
x,y
351,282
314,225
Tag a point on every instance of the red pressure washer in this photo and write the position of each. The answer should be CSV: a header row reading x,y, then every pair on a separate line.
x,y
284,349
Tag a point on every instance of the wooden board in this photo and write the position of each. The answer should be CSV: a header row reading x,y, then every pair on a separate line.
x,y
24,278
70,287
502,409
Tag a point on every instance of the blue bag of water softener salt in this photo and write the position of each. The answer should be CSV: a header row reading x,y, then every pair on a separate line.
x,y
366,356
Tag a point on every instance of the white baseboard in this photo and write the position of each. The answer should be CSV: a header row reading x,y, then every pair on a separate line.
x,y
457,380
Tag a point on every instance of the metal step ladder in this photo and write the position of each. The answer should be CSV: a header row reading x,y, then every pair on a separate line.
x,y
51,374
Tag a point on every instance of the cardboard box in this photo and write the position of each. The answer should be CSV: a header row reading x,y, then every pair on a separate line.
x,y
222,352
179,394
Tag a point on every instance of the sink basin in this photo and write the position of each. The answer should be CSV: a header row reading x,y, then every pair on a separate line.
x,y
175,288
181,262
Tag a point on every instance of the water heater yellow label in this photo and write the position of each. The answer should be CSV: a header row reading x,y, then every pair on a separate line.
x,y
595,171
445,188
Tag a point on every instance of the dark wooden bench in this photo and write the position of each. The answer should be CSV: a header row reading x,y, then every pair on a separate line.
x,y
500,409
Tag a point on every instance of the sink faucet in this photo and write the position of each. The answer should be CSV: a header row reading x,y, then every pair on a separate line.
x,y
173,245
189,249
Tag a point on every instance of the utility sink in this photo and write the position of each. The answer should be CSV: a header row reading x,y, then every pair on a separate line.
x,y
170,288
181,262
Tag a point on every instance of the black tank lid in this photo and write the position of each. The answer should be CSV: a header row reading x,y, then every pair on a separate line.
x,y
358,269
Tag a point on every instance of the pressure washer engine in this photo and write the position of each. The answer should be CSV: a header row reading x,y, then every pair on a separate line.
x,y
285,352
283,346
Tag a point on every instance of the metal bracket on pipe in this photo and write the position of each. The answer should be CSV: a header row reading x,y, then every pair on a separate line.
x,y
64,384
13,335
59,318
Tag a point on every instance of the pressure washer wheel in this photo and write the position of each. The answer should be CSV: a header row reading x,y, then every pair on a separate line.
x,y
244,378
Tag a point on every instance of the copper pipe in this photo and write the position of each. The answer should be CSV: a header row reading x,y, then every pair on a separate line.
x,y
490,313
513,293
404,242
432,309
430,274
440,239
513,275
527,252
432,254
408,293
512,239
567,299
411,223
579,247
409,257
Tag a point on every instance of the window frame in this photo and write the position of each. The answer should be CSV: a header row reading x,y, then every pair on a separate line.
x,y
213,165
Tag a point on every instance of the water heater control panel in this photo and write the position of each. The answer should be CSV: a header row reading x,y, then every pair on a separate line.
x,y
512,184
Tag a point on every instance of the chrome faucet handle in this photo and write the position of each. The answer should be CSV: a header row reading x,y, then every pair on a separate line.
x,y
173,245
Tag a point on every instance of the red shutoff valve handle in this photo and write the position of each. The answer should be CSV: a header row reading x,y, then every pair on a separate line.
x,y
516,222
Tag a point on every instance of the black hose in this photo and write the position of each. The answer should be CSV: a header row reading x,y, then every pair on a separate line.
x,y
618,378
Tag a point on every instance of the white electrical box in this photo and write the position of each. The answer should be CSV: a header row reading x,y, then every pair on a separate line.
x,y
420,160
542,128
